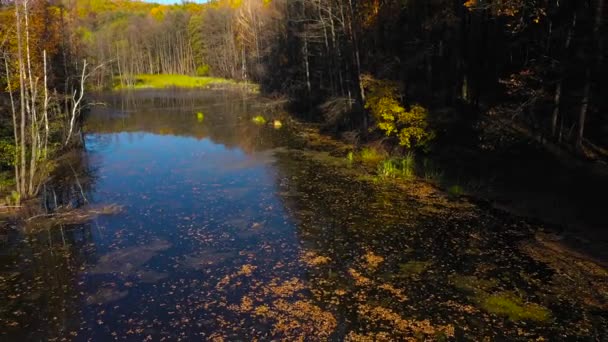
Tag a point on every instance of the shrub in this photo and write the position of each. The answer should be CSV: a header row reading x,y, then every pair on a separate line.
x,y
202,70
409,126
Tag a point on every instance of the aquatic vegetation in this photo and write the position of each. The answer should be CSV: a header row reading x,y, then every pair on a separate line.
x,y
455,190
508,304
258,120
482,292
413,268
106,295
472,283
129,260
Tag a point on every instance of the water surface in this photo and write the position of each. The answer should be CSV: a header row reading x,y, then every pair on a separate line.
x,y
232,230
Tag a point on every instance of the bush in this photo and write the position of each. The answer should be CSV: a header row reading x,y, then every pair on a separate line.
x,y
202,70
409,126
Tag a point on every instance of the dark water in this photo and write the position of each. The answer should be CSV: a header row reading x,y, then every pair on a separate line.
x,y
233,230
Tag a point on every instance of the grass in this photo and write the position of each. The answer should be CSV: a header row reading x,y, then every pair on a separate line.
x,y
398,168
143,81
371,155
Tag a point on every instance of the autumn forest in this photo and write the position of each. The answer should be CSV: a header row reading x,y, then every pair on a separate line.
x,y
308,169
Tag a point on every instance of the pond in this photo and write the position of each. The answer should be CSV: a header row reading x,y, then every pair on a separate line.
x,y
232,229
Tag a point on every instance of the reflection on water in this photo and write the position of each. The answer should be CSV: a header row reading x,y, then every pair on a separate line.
x,y
235,230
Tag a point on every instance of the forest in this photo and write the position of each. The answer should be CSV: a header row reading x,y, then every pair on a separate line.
x,y
329,156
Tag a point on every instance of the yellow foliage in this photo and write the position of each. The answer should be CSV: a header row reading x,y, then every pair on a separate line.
x,y
409,126
470,3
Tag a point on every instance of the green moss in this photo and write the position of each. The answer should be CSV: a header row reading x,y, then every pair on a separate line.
x,y
472,283
507,304
413,268
499,303
259,120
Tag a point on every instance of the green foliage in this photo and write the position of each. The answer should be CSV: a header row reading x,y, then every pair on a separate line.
x,y
7,181
13,199
259,120
409,126
7,153
202,70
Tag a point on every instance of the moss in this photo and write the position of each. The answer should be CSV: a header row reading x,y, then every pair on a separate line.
x,y
507,304
413,268
499,303
472,283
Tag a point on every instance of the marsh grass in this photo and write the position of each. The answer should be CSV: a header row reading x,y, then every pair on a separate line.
x,y
398,167
160,81
372,155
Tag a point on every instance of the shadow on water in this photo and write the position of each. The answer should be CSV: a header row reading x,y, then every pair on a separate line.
x,y
237,230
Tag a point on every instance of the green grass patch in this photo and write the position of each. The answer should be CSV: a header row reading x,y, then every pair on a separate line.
x,y
143,81
398,167
372,155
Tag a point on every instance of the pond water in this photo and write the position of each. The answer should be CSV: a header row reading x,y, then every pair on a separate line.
x,y
232,230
